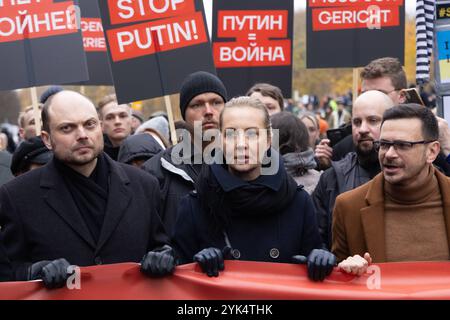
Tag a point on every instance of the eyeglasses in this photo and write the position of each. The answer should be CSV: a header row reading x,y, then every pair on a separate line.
x,y
399,145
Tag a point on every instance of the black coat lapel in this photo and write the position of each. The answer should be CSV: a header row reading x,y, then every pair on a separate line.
x,y
60,200
119,197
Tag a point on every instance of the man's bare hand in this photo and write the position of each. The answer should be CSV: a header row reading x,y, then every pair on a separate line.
x,y
323,154
356,264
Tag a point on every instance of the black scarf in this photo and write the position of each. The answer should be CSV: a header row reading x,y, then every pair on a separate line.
x,y
89,194
253,198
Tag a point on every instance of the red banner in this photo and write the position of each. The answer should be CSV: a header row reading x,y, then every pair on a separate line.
x,y
247,281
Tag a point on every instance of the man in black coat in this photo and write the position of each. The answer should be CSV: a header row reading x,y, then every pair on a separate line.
x,y
202,98
82,207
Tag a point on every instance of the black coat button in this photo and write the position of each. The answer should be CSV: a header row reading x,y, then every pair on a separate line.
x,y
98,260
274,253
236,254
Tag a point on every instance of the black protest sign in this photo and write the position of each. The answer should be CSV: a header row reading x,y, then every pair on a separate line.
x,y
252,43
351,33
443,11
94,44
40,43
154,44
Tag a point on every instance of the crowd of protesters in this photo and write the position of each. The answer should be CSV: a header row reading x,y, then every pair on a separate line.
x,y
346,182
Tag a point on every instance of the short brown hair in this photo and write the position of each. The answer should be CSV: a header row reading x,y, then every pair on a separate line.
x,y
430,127
104,101
386,67
268,90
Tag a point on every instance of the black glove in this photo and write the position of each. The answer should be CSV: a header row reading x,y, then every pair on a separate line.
x,y
320,263
211,260
158,263
53,273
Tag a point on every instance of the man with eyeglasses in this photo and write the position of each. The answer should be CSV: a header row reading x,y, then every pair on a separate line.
x,y
202,98
385,75
403,214
357,167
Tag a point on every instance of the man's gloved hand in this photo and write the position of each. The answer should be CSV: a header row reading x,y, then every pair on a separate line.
x,y
211,260
320,263
53,273
158,263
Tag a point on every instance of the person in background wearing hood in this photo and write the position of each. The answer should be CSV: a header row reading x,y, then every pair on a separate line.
x,y
158,128
251,213
298,156
116,124
31,154
138,148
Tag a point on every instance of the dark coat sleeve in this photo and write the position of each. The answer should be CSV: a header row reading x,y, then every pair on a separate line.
x,y
5,266
321,199
185,233
13,239
310,233
159,236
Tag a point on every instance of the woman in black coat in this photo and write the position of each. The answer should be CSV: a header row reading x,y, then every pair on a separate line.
x,y
246,210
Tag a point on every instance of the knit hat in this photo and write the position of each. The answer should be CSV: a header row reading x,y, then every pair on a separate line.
x,y
29,152
197,83
138,115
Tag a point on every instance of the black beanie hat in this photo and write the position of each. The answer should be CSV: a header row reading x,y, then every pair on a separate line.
x,y
197,83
